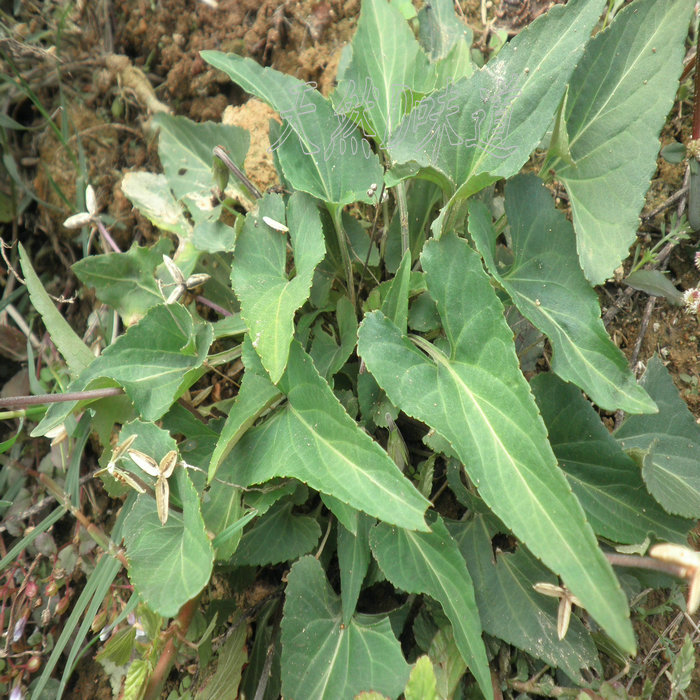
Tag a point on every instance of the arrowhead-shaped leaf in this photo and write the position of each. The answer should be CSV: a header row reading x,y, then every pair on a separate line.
x,y
606,481
619,96
317,160
512,610
313,439
478,400
431,563
483,128
259,276
671,440
547,285
322,659
383,65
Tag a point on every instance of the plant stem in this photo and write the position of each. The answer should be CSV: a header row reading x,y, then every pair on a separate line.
x,y
92,529
696,101
371,243
167,658
400,191
220,153
544,690
213,305
19,402
107,236
336,212
21,413
651,563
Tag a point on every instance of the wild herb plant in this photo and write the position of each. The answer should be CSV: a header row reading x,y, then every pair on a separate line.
x,y
388,304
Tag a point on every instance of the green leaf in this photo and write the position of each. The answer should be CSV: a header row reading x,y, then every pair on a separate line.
x,y
313,439
199,438
673,152
547,285
448,663
329,356
395,304
422,683
152,196
317,160
478,400
347,516
231,658
215,236
136,678
483,128
125,281
223,516
265,644
5,445
422,196
324,659
185,149
559,142
423,315
150,439
276,537
218,287
353,560
229,326
447,40
619,96
119,648
76,354
383,66
168,564
655,283
606,481
268,297
671,441
255,395
683,666
261,500
155,361
513,611
374,404
420,562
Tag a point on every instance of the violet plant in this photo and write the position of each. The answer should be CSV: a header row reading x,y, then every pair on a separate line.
x,y
386,428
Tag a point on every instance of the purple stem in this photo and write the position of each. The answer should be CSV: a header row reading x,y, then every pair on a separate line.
x,y
15,402
213,305
106,235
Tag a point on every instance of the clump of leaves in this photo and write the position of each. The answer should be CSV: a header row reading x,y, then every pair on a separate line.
x,y
383,420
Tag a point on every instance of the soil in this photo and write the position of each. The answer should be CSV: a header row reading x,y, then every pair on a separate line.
x,y
109,103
